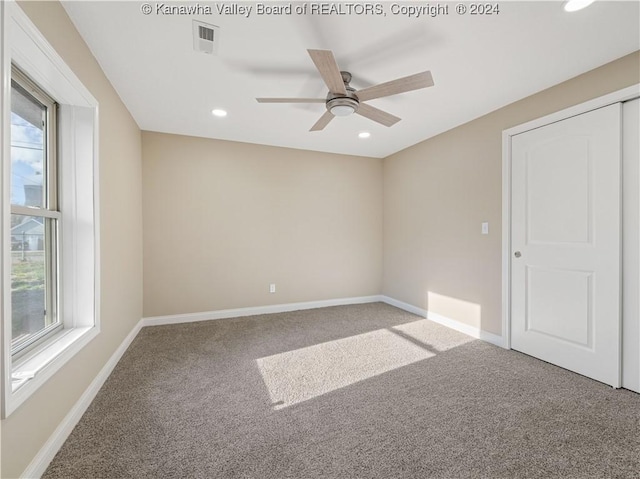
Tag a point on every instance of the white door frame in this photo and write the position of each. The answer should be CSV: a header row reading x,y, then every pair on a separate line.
x,y
625,94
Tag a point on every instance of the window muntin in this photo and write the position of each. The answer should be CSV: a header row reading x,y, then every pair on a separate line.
x,y
34,216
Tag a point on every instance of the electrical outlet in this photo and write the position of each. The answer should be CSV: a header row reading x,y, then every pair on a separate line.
x,y
272,288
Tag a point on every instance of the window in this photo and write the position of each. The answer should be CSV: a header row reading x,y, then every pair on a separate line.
x,y
49,229
34,216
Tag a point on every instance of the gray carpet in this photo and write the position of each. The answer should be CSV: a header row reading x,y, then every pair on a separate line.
x,y
365,391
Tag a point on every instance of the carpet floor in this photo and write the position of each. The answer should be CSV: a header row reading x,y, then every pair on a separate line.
x,y
363,391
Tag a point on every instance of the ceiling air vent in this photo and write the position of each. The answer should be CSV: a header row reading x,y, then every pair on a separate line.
x,y
205,37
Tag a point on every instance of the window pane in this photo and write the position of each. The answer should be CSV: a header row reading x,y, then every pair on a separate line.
x,y
31,268
28,150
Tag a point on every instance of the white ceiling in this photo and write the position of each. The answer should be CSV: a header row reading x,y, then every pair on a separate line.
x,y
479,64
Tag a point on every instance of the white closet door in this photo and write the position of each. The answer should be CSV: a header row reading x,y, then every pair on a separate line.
x,y
566,243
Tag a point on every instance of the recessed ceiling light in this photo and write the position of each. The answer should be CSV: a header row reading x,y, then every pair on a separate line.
x,y
575,5
218,112
364,134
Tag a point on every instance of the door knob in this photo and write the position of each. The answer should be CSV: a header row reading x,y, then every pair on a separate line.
x,y
517,254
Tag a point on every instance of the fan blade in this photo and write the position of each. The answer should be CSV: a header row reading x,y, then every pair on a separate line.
x,y
328,68
291,100
393,87
377,115
323,121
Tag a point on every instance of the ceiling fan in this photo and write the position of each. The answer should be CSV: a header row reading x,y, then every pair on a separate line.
x,y
344,100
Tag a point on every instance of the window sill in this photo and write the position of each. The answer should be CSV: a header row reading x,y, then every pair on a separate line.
x,y
36,368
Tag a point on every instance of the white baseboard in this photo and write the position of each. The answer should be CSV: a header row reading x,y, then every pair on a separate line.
x,y
282,308
448,322
253,311
406,306
41,461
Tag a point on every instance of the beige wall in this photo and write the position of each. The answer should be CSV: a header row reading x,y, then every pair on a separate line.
x,y
437,194
26,430
222,220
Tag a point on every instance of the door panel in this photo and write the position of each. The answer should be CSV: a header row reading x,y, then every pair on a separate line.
x,y
558,205
566,230
569,320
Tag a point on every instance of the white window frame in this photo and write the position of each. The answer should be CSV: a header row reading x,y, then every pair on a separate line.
x,y
79,267
48,211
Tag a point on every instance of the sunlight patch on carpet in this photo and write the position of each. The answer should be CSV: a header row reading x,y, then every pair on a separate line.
x,y
296,376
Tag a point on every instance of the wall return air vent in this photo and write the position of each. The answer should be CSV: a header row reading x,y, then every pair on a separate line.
x,y
206,37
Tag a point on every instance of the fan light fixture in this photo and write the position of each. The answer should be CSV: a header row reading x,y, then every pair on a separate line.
x,y
342,110
364,134
575,5
218,112
342,106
